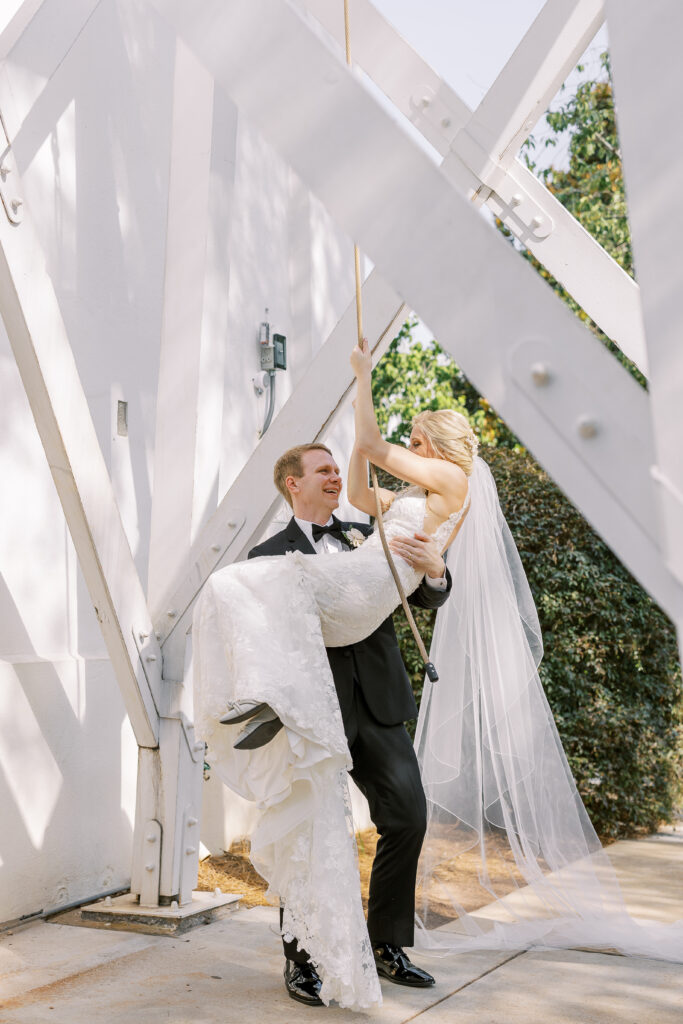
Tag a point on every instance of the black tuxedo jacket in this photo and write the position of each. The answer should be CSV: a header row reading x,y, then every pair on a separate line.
x,y
376,661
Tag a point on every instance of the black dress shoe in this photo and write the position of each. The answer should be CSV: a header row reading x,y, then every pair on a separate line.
x,y
393,964
303,983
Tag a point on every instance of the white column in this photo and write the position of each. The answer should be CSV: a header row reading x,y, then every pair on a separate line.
x,y
648,83
178,395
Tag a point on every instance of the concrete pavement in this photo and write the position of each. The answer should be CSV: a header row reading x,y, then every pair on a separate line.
x,y
230,971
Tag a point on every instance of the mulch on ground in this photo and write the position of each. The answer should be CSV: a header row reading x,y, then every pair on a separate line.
x,y
233,872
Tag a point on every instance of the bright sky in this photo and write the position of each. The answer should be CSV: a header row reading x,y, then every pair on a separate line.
x,y
468,43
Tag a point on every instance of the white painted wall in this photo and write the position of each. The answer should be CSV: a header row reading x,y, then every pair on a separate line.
x,y
93,152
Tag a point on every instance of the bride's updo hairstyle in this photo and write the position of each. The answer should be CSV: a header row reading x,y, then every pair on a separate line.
x,y
450,435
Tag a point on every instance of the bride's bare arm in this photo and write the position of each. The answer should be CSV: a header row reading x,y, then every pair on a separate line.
x,y
358,491
436,475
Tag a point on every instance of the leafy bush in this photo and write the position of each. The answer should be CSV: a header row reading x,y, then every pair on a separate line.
x,y
610,669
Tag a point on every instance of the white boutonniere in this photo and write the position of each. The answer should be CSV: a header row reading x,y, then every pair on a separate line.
x,y
354,537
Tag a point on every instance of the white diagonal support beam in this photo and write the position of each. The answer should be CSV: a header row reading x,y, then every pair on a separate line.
x,y
482,301
601,287
524,88
597,282
38,337
309,411
12,26
48,19
648,82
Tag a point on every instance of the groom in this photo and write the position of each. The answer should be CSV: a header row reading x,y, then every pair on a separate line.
x,y
375,698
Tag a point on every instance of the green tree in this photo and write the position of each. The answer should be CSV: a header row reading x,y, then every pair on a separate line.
x,y
413,376
592,187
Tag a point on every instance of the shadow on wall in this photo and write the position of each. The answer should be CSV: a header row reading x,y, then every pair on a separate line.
x,y
93,152
67,779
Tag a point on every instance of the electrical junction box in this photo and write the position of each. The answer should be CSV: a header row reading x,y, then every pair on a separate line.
x,y
267,357
274,357
280,351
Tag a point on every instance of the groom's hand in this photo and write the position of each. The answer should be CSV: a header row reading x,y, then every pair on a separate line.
x,y
421,552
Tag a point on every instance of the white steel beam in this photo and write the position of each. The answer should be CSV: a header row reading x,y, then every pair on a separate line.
x,y
38,337
524,88
394,66
590,425
533,215
179,405
170,777
12,26
309,411
648,81
48,19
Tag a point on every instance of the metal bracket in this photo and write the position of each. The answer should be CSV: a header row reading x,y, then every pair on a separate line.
x,y
190,854
10,181
590,422
527,221
150,659
204,565
151,864
195,747
434,118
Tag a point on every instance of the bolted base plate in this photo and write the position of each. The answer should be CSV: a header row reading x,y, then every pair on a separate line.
x,y
124,913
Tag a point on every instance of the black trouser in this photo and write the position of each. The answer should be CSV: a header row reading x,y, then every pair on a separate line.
x,y
385,769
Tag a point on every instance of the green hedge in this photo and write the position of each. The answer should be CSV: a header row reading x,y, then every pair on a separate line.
x,y
610,669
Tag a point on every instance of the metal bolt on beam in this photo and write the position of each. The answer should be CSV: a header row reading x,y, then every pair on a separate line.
x,y
540,374
587,427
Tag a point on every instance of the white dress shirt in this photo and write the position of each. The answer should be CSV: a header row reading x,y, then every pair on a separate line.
x,y
331,545
326,543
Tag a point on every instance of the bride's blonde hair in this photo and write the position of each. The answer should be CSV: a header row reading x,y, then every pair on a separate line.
x,y
450,435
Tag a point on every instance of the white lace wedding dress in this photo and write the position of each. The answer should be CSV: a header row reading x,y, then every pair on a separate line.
x,y
260,630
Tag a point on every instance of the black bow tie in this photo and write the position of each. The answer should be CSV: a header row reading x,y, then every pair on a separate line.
x,y
335,529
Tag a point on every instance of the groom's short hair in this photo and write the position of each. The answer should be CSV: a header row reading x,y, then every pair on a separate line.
x,y
290,464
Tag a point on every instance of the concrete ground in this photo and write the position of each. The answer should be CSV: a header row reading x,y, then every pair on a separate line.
x,y
230,971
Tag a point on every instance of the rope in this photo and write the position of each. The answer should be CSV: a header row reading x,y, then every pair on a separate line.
x,y
429,667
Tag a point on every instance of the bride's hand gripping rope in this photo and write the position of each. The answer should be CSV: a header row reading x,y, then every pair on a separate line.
x,y
361,359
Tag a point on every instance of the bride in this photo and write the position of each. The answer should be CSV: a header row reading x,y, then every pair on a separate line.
x,y
494,772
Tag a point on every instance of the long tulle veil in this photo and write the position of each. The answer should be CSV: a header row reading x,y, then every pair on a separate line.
x,y
500,793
